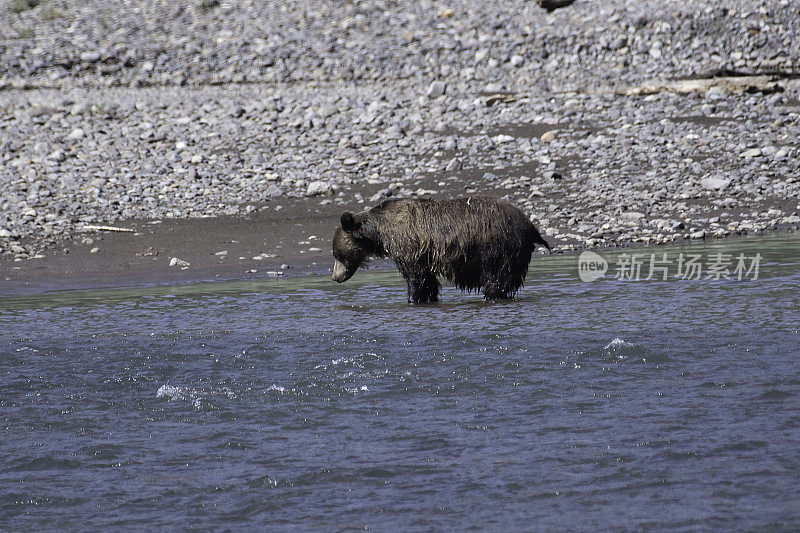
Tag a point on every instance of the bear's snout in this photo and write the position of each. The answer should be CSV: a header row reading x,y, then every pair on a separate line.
x,y
340,273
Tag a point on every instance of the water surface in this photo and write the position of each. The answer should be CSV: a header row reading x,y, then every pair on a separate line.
x,y
303,404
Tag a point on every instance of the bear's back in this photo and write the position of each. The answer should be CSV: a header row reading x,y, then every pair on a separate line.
x,y
449,229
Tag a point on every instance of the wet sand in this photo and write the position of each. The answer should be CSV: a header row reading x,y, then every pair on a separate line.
x,y
292,241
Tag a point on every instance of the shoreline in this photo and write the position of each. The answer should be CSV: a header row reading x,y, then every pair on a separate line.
x,y
142,259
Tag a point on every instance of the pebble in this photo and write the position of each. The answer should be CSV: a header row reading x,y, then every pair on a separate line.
x,y
79,108
454,165
768,150
380,195
548,136
714,184
632,216
317,188
436,89
90,57
58,156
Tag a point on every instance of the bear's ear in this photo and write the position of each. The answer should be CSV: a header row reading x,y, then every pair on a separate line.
x,y
349,221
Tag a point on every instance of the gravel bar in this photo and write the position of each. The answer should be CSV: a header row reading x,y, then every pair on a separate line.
x,y
610,123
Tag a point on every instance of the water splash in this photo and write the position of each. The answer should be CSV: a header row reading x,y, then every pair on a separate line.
x,y
621,350
618,344
173,392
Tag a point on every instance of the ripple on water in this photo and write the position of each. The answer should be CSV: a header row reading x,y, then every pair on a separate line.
x,y
620,351
775,394
304,404
197,398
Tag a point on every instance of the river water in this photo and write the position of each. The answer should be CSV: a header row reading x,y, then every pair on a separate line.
x,y
306,405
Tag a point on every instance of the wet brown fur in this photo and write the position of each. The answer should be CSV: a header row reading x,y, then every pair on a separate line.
x,y
475,243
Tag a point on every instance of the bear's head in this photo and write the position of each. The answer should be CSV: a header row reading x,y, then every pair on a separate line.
x,y
354,240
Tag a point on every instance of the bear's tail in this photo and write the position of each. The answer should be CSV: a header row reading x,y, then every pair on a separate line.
x,y
538,239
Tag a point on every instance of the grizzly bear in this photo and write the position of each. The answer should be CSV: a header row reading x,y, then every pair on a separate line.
x,y
475,243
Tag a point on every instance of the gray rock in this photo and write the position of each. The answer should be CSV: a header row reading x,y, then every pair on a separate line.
x,y
57,156
454,165
768,150
548,136
175,262
714,184
782,152
436,89
632,216
319,188
273,191
380,195
90,56
80,108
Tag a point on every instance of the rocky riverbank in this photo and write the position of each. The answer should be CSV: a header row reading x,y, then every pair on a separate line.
x,y
114,112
